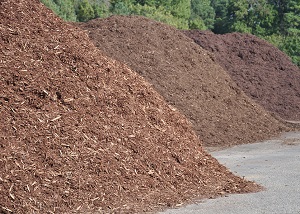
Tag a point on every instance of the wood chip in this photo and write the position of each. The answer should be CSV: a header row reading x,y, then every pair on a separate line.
x,y
56,118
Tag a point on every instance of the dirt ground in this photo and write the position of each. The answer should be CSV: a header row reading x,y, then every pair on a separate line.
x,y
187,76
82,133
261,70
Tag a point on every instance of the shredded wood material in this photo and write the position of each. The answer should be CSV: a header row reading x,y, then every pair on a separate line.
x,y
80,132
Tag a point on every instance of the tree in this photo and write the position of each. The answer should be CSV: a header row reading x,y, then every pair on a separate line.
x,y
197,23
291,46
288,28
121,7
291,29
66,9
220,23
167,4
85,11
159,14
291,18
181,9
146,2
202,13
176,12
251,16
100,7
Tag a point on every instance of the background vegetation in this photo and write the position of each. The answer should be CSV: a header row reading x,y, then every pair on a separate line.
x,y
277,21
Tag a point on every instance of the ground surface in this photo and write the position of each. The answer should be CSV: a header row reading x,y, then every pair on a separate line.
x,y
187,76
274,164
264,73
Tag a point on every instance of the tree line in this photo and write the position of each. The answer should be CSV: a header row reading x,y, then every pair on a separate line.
x,y
277,21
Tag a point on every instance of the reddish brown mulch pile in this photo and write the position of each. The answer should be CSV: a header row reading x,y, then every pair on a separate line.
x,y
187,76
264,73
82,133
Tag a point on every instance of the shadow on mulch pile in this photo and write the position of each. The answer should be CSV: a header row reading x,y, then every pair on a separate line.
x,y
82,133
262,71
187,76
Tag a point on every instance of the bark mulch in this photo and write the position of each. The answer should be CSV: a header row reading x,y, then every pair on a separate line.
x,y
187,76
263,72
82,133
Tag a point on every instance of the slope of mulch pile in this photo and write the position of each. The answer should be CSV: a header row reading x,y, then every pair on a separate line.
x,y
82,133
261,70
187,76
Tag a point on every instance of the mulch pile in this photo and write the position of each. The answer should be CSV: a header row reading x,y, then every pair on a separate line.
x,y
82,133
264,73
187,76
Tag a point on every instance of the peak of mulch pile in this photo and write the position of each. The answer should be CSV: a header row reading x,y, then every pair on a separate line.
x,y
187,76
82,133
264,73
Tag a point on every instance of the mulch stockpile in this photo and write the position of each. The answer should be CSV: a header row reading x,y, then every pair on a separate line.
x,y
187,76
262,71
82,133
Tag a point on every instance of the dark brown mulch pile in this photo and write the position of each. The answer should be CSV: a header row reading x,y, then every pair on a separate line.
x,y
264,73
187,76
82,133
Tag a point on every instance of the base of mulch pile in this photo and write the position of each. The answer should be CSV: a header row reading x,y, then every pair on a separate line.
x,y
261,70
187,76
82,133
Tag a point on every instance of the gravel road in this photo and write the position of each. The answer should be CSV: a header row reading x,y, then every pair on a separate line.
x,y
275,164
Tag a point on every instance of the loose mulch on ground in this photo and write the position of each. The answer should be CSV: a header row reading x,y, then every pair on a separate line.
x,y
187,76
82,133
262,71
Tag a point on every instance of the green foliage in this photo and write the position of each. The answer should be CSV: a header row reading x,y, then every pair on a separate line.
x,y
221,25
176,13
66,9
181,9
100,7
287,28
202,14
291,46
78,10
220,7
120,7
146,2
85,11
167,4
159,14
197,23
292,17
250,16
